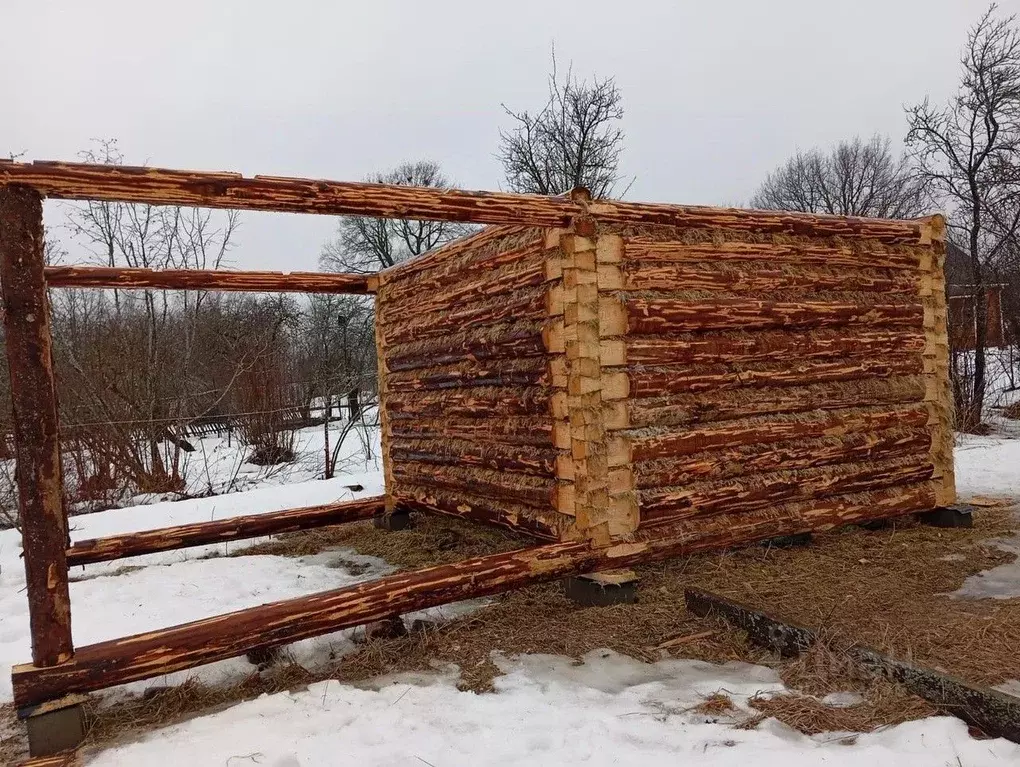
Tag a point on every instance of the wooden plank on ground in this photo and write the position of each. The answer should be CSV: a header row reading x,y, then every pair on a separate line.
x,y
995,713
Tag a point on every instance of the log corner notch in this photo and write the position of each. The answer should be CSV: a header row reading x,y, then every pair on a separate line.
x,y
33,395
595,482
938,397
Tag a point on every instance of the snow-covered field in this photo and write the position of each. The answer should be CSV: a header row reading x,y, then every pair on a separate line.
x,y
547,710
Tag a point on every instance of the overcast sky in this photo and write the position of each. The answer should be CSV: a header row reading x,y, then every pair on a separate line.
x,y
716,93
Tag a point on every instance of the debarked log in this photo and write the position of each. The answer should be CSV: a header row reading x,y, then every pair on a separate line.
x,y
676,442
771,345
669,315
33,402
235,528
791,455
496,456
205,279
434,290
510,430
530,490
758,491
481,402
162,186
225,636
521,346
653,276
657,382
727,404
537,523
645,250
529,303
507,372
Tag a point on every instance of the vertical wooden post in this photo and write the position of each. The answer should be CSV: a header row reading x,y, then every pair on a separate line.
x,y
34,400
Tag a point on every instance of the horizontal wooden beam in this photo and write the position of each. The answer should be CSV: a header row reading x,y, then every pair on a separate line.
x,y
206,279
193,644
225,636
161,186
232,529
888,231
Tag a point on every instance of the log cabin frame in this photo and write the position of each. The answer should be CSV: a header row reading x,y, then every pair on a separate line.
x,y
624,381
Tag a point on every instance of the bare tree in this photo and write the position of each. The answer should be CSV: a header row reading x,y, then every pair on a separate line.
x,y
574,140
148,360
968,152
854,178
365,245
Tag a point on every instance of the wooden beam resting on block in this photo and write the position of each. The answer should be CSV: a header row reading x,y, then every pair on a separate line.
x,y
161,186
205,279
232,529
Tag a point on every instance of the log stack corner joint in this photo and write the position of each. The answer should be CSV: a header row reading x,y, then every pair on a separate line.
x,y
552,387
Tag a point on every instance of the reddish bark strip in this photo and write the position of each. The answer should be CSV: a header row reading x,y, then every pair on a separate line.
x,y
34,399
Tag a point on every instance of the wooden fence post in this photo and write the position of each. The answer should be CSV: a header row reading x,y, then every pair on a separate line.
x,y
34,400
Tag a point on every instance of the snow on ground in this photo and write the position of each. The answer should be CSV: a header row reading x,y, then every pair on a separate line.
x,y
990,466
987,465
548,710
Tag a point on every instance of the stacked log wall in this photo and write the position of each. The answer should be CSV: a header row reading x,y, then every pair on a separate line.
x,y
467,382
776,371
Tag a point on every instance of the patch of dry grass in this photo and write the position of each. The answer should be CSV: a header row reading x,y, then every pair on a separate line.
x,y
431,541
821,671
888,589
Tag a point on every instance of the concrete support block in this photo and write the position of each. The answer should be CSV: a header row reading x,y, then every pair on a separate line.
x,y
398,520
957,515
55,726
612,587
